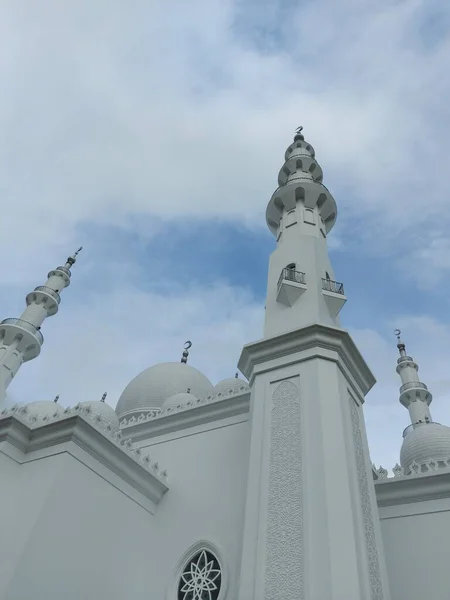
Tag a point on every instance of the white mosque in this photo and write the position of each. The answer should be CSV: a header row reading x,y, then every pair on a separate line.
x,y
239,491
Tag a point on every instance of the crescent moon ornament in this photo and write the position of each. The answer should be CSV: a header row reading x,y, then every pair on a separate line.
x,y
185,355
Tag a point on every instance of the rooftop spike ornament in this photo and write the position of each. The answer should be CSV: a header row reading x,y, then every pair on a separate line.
x,y
400,345
56,398
298,134
73,259
185,355
103,398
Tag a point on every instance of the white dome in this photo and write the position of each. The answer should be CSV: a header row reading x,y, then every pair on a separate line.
x,y
231,385
43,408
103,411
155,385
180,398
430,441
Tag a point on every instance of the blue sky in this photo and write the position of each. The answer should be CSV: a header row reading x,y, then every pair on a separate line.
x,y
154,138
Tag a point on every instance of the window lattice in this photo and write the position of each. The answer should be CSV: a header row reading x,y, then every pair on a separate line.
x,y
201,578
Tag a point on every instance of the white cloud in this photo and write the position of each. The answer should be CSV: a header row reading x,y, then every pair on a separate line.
x,y
106,340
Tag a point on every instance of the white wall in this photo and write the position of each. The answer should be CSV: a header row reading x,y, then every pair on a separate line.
x,y
417,548
69,534
207,488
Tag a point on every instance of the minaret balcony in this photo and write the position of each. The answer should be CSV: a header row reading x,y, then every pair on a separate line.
x,y
291,286
412,385
412,391
47,296
27,338
333,292
48,290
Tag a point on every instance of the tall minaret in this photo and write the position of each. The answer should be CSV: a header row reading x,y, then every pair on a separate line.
x,y
301,285
311,519
21,339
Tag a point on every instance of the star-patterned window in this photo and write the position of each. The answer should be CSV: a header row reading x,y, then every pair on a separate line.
x,y
201,578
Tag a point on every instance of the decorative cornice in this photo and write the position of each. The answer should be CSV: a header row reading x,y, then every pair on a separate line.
x,y
92,434
432,484
312,337
189,414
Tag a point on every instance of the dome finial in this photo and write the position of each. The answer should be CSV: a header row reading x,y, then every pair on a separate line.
x,y
400,344
103,398
56,398
185,355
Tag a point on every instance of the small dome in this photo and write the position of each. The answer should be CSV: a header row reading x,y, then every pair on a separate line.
x,y
103,411
43,409
430,441
181,398
153,386
231,385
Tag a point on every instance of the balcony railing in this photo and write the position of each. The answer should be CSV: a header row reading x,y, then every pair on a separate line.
x,y
413,385
51,292
291,275
25,325
414,425
332,286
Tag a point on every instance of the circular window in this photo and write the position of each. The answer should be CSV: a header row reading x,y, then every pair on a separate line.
x,y
201,578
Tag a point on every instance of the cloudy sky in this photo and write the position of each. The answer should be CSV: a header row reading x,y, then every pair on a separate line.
x,y
152,133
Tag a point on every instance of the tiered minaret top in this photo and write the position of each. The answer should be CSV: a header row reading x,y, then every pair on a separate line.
x,y
21,339
424,441
301,286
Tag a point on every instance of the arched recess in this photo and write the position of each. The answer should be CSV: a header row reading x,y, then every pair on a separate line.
x,y
308,216
183,561
291,217
321,199
299,193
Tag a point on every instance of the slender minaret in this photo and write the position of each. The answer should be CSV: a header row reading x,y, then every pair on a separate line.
x,y
414,395
311,521
425,442
21,339
301,285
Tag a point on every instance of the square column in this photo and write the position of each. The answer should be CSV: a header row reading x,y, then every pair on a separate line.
x,y
311,528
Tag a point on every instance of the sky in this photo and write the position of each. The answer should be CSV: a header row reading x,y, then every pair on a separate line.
x,y
152,134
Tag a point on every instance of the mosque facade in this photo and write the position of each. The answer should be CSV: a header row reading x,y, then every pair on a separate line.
x,y
260,487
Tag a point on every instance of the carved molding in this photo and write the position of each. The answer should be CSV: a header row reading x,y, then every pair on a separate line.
x,y
284,576
420,487
308,342
376,585
190,414
88,432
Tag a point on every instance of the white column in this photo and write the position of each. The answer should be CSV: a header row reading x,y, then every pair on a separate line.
x,y
311,528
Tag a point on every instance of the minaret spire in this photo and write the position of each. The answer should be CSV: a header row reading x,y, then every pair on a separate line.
x,y
301,284
311,526
21,339
414,395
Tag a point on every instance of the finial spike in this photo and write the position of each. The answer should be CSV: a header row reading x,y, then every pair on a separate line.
x,y
185,355
72,259
400,345
56,398
103,398
236,375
